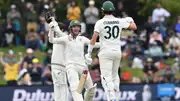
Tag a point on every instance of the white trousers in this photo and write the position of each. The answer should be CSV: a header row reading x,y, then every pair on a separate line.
x,y
60,83
109,65
74,72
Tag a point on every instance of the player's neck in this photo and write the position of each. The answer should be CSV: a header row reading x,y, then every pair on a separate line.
x,y
107,14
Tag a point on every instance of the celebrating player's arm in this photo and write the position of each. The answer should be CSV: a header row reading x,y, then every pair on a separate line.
x,y
128,23
87,43
53,25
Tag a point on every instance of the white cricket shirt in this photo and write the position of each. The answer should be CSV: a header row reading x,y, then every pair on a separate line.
x,y
74,49
109,29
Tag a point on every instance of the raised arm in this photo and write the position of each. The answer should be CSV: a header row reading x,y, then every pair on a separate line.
x,y
61,40
54,31
128,23
87,42
50,35
97,29
1,58
21,58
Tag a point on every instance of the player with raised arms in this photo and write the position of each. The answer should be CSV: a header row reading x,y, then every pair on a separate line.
x,y
58,69
76,63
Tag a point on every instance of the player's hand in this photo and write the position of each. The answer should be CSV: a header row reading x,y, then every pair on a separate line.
x,y
49,17
88,58
89,61
129,19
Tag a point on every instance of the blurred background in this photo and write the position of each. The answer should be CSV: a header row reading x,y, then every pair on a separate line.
x,y
150,55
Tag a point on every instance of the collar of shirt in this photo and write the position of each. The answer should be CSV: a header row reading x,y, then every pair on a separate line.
x,y
108,16
71,37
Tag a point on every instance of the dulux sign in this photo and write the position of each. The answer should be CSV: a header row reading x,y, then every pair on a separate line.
x,y
45,93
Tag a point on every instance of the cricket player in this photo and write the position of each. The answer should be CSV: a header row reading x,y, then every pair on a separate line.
x,y
58,69
76,63
109,29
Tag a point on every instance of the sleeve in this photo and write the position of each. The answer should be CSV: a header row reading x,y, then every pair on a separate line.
x,y
86,40
124,23
97,27
57,30
86,12
60,40
50,35
153,16
166,13
77,12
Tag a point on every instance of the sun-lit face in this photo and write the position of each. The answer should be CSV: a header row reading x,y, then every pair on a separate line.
x,y
76,30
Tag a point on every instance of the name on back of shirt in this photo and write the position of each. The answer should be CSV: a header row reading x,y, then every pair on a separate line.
x,y
110,22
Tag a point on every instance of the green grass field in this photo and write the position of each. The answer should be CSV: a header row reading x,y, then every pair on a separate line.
x,y
40,55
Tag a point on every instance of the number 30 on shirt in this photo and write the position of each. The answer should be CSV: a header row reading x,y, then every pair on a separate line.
x,y
111,32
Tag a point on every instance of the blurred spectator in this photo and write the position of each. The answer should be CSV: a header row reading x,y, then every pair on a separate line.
x,y
52,6
159,12
177,26
168,74
30,13
137,63
156,37
13,13
155,52
150,71
11,69
73,12
136,51
47,59
147,93
83,27
177,63
30,17
174,41
149,26
10,56
32,40
161,27
91,14
36,72
9,33
173,44
46,76
39,7
135,80
42,30
14,16
120,11
30,56
24,77
178,51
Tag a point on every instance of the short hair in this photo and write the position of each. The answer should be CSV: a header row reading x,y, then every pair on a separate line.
x,y
108,12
